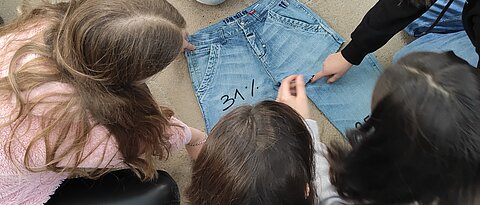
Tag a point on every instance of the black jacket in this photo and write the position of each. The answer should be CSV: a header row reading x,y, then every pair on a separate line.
x,y
388,17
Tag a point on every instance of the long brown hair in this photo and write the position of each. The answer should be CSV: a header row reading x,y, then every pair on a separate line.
x,y
104,49
260,154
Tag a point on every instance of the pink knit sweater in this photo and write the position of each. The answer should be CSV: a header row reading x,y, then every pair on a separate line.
x,y
17,184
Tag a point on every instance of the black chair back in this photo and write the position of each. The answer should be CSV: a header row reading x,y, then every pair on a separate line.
x,y
120,187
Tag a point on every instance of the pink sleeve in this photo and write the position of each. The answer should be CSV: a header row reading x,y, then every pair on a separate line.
x,y
180,134
102,145
100,151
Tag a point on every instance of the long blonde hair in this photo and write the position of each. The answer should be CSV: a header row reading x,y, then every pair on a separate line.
x,y
104,49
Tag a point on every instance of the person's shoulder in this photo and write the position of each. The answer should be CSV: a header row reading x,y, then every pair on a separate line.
x,y
24,32
12,41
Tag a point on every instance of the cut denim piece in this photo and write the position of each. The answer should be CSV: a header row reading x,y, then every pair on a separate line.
x,y
243,58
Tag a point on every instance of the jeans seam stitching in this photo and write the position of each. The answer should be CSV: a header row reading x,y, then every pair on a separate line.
x,y
209,72
296,24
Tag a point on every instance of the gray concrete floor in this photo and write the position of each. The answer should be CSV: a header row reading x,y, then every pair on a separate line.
x,y
172,88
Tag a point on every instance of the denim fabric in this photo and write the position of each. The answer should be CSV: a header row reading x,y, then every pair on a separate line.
x,y
450,22
457,42
242,60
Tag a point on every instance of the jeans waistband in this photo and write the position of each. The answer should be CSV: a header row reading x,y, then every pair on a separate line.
x,y
229,26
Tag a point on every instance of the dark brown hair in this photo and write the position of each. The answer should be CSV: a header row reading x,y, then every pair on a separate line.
x,y
421,142
104,49
260,154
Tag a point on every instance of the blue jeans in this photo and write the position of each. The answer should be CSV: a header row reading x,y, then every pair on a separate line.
x,y
458,42
448,35
242,60
450,22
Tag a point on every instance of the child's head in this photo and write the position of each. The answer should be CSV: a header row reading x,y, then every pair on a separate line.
x,y
421,141
105,50
260,154
118,43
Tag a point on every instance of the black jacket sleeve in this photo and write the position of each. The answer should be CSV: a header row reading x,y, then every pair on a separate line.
x,y
382,22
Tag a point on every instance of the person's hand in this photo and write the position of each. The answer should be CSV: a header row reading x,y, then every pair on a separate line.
x,y
187,45
292,92
334,67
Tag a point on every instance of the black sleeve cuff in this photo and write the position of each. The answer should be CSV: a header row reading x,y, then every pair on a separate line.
x,y
354,53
